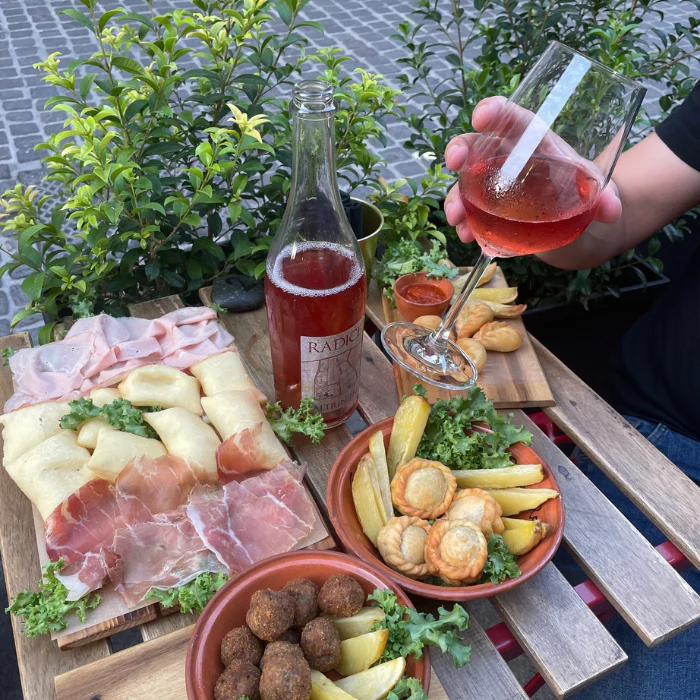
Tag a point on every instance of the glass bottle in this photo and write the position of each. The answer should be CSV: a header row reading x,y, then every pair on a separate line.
x,y
315,285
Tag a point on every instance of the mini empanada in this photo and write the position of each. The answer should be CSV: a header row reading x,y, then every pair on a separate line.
x,y
499,336
457,550
401,542
473,316
475,350
423,488
506,310
480,508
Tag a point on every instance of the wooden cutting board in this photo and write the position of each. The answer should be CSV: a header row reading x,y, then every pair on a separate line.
x,y
151,670
509,379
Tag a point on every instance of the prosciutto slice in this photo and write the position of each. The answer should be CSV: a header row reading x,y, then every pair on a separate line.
x,y
253,519
164,553
101,350
81,530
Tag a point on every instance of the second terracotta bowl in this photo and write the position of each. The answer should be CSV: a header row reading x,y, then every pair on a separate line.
x,y
411,310
344,518
228,608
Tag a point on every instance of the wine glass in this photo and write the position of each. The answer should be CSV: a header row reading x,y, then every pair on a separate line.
x,y
531,183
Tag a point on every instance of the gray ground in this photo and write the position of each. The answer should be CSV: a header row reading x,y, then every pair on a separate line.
x,y
31,29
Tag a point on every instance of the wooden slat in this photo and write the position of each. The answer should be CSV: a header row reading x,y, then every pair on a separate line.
x,y
152,670
615,555
39,659
560,634
561,671
651,481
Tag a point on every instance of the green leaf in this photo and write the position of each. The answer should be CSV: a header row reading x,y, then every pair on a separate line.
x,y
33,284
127,64
152,270
80,17
285,11
21,315
106,17
173,279
305,420
85,84
46,333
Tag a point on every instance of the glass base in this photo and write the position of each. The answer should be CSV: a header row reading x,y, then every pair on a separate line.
x,y
438,362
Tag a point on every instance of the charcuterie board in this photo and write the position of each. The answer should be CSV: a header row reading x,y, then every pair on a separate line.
x,y
510,380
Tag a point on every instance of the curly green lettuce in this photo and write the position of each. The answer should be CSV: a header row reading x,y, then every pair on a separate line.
x,y
45,610
120,413
447,437
501,564
192,596
305,420
407,689
410,631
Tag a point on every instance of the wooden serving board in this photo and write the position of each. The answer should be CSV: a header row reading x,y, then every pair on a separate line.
x,y
113,615
151,670
509,379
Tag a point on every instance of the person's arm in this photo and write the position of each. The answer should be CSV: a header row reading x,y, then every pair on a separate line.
x,y
655,187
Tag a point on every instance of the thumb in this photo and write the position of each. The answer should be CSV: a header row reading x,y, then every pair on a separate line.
x,y
610,207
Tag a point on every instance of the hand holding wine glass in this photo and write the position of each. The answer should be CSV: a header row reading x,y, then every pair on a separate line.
x,y
532,181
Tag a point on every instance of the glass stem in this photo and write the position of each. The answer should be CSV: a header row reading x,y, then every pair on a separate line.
x,y
444,330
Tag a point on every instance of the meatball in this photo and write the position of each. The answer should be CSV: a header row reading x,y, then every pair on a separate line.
x,y
275,650
305,594
291,635
241,644
320,643
271,613
341,596
287,678
240,679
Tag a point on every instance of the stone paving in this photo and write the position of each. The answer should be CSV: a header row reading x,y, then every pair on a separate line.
x,y
32,29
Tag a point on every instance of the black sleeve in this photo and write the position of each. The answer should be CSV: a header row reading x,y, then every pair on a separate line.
x,y
681,130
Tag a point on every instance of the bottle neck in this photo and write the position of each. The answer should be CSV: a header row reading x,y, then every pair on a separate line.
x,y
314,182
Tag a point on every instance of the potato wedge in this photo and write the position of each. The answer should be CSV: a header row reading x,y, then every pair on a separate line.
x,y
517,475
359,653
374,479
503,295
366,503
374,683
409,424
376,449
516,500
360,623
522,539
514,523
323,688
506,310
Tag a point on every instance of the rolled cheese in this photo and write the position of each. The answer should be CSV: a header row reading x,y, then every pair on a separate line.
x,y
186,435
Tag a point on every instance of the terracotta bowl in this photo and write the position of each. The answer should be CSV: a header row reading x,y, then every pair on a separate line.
x,y
346,523
227,609
411,310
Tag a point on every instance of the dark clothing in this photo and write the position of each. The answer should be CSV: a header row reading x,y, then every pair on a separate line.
x,y
656,374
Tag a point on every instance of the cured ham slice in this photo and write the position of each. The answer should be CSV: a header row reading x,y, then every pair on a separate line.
x,y
253,519
81,530
101,350
164,553
147,486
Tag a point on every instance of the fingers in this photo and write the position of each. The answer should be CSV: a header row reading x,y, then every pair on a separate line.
x,y
457,151
454,209
486,111
465,233
610,207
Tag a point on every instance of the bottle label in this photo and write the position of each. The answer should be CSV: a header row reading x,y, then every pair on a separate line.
x,y
330,368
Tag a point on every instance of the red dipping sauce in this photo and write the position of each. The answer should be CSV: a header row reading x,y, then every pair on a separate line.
x,y
424,293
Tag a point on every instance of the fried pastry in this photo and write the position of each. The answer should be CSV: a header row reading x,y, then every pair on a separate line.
x,y
457,551
506,310
431,322
401,542
475,350
423,488
480,508
499,336
472,317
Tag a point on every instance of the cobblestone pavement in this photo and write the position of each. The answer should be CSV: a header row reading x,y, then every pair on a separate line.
x,y
32,29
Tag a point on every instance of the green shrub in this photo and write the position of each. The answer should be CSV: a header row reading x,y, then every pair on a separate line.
x,y
174,161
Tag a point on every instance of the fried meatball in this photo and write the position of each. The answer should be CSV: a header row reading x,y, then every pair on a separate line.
x,y
240,679
275,650
320,643
305,594
287,678
341,596
291,635
241,644
271,613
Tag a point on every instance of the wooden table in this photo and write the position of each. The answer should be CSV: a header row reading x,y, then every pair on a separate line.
x,y
546,618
